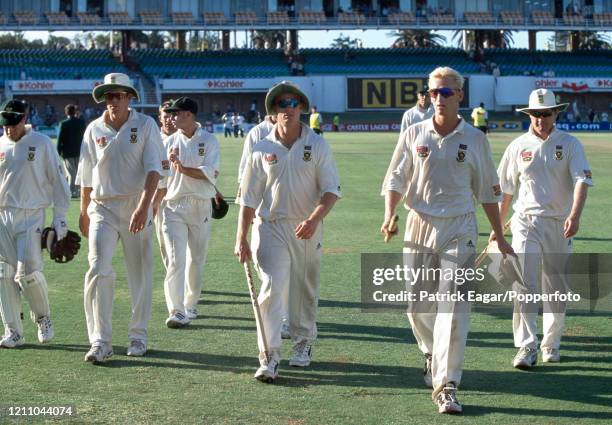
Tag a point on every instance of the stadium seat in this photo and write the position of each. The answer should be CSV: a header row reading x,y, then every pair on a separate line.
x,y
88,18
245,17
352,18
310,17
182,18
401,18
572,18
57,18
151,17
512,17
213,18
119,18
278,17
25,17
540,17
478,18
440,18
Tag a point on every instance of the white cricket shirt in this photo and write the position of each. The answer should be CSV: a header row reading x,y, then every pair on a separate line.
x,y
31,175
442,176
415,115
257,133
201,151
286,183
116,163
544,172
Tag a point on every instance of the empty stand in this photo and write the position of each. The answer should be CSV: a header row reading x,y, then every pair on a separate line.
x,y
310,17
182,18
151,17
278,17
120,18
478,18
351,18
512,17
602,18
540,17
440,18
213,18
402,18
25,17
246,17
88,18
57,18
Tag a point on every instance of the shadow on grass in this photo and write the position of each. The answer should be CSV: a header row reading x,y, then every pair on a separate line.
x,y
518,411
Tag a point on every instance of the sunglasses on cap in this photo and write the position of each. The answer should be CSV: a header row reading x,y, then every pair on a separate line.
x,y
288,103
445,92
541,114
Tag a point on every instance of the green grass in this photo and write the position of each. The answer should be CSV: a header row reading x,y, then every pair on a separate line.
x,y
366,369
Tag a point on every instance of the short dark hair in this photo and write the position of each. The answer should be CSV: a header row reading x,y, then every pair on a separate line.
x,y
165,105
70,110
481,105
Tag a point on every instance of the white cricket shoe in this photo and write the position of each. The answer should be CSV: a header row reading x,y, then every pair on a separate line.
x,y
302,354
137,348
268,370
526,358
45,329
551,355
192,313
99,353
177,320
427,371
447,400
285,334
12,340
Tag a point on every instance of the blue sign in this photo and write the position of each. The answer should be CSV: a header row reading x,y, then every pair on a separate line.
x,y
577,126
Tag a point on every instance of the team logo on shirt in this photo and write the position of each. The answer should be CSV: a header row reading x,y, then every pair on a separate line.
x,y
422,151
165,164
497,190
101,141
307,153
559,152
271,158
527,156
201,149
588,174
133,135
31,153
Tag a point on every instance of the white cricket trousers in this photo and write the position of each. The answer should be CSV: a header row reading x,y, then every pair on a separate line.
x,y
440,327
283,260
159,232
544,253
109,223
186,229
20,256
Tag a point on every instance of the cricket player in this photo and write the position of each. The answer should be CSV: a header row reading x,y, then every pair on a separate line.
x,y
442,166
31,179
291,182
423,110
481,118
167,129
122,157
548,171
257,133
187,193
316,120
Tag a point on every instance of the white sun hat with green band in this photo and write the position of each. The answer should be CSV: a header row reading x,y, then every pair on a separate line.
x,y
114,82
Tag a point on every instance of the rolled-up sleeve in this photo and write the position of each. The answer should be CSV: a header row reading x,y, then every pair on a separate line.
x,y
154,154
400,168
485,182
253,182
86,160
210,162
579,166
508,171
327,172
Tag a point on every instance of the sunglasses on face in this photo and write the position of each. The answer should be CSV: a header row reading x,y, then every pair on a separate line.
x,y
445,92
541,114
288,103
111,96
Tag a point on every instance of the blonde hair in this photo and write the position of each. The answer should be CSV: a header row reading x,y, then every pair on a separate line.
x,y
447,72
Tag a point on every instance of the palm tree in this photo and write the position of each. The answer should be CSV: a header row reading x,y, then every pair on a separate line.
x,y
344,42
484,38
417,38
587,40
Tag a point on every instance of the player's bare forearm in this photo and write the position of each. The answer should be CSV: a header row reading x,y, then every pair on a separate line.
x,y
392,198
150,187
572,222
157,199
504,207
194,173
580,196
242,249
492,212
85,198
307,228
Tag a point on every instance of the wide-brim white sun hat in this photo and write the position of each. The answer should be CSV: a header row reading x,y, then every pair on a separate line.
x,y
115,81
541,99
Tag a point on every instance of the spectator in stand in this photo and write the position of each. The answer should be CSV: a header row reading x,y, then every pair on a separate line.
x,y
69,141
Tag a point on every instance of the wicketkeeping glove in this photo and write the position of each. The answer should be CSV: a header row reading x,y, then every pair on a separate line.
x,y
64,250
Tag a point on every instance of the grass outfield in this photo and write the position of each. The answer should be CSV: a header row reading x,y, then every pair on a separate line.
x,y
366,369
